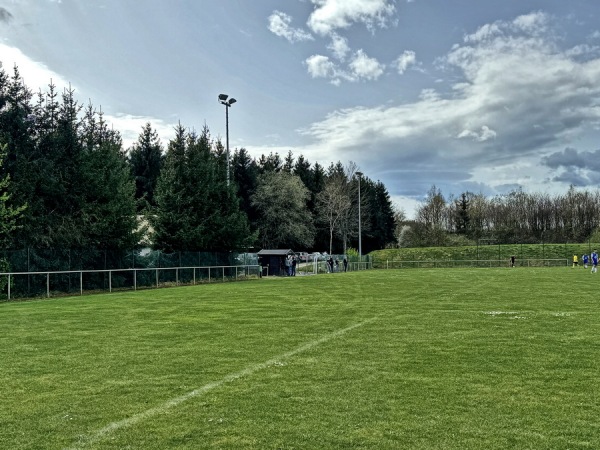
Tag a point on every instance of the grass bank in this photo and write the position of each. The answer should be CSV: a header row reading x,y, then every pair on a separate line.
x,y
483,252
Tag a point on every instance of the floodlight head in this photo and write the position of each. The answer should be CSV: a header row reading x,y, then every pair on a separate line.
x,y
223,97
232,101
359,174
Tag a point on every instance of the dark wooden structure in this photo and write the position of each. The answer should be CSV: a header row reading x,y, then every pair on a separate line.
x,y
273,261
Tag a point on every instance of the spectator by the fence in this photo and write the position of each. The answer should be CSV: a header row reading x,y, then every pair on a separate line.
x,y
345,264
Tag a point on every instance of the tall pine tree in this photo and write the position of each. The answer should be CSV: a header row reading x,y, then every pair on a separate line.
x,y
196,209
146,159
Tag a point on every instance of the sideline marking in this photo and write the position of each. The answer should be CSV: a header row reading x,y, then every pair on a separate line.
x,y
114,426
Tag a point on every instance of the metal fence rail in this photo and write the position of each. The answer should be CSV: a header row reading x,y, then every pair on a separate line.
x,y
443,263
130,278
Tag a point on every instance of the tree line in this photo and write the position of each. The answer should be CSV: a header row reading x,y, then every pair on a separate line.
x,y
517,217
67,182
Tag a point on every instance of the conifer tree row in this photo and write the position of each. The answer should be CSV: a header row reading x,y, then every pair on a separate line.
x,y
83,190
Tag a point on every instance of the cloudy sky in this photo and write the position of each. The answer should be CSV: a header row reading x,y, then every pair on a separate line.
x,y
479,95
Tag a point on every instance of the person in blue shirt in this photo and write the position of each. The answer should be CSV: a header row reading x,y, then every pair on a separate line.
x,y
594,261
586,260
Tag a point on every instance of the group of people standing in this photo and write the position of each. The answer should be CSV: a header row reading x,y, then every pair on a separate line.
x,y
290,265
586,260
334,266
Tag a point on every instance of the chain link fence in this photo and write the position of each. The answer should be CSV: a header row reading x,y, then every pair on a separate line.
x,y
38,260
67,271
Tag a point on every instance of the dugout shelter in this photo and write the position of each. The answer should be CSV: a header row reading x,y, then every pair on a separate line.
x,y
273,261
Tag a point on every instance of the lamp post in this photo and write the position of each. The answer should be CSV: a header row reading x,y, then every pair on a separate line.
x,y
224,99
359,219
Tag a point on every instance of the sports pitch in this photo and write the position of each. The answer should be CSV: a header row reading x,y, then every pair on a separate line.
x,y
419,359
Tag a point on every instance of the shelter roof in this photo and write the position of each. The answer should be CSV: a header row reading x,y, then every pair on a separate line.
x,y
275,252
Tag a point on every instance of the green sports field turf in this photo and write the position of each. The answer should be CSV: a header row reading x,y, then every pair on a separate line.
x,y
420,359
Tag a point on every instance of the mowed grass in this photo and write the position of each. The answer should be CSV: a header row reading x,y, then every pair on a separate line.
x,y
420,359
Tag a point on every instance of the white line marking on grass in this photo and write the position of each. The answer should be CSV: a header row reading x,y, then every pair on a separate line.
x,y
85,441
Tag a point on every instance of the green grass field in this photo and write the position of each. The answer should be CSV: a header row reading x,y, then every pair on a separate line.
x,y
420,359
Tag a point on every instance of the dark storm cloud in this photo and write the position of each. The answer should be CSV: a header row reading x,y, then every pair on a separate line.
x,y
575,167
570,177
5,16
578,177
571,158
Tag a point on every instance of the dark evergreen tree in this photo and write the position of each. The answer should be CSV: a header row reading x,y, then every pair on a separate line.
x,y
169,218
216,220
245,173
17,129
271,163
462,218
319,178
196,210
380,223
288,163
145,159
47,177
336,169
302,169
8,213
69,171
220,152
108,212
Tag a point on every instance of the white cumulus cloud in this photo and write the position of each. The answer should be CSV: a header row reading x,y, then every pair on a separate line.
x,y
483,135
363,66
519,92
405,60
331,15
35,74
279,24
320,66
339,46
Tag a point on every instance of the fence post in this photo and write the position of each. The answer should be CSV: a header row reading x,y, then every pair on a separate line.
x,y
48,284
81,282
134,279
110,281
9,286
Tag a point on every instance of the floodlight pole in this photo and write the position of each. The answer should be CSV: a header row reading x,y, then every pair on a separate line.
x,y
227,139
223,99
359,220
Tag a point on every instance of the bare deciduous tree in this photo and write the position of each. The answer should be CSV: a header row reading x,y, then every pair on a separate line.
x,y
333,204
